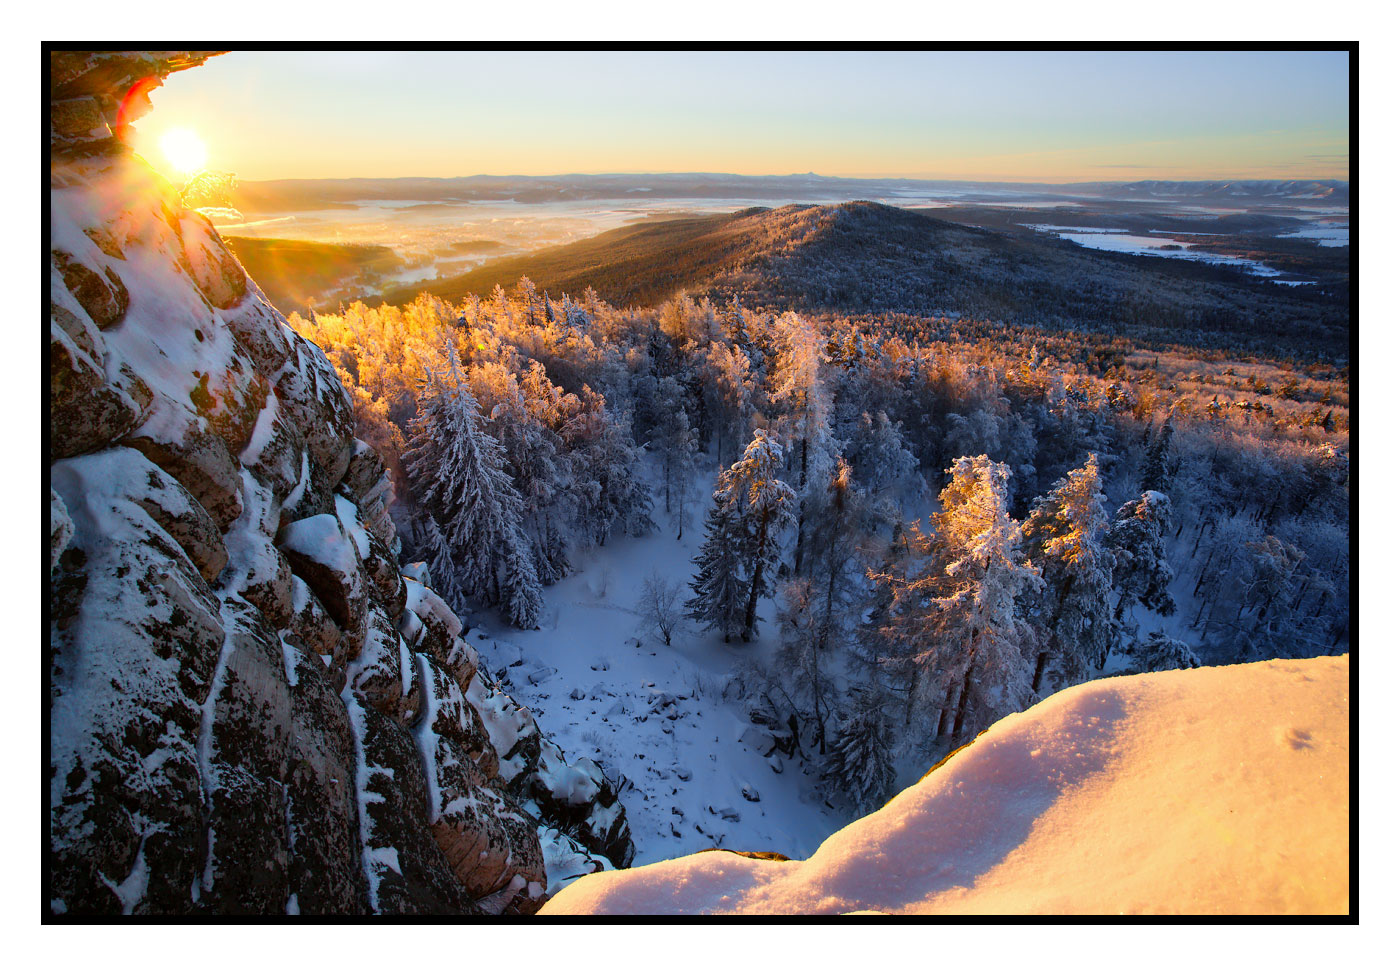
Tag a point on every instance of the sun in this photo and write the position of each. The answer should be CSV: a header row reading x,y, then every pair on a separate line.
x,y
184,149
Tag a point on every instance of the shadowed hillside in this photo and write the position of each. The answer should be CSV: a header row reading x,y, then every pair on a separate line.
x,y
636,265
870,258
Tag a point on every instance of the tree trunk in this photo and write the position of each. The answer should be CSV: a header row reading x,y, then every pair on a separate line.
x,y
1041,660
801,510
1039,670
1199,534
962,704
943,712
752,607
830,593
1199,611
909,696
1204,570
801,526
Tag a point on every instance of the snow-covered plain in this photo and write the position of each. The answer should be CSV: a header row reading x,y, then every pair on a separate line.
x,y
602,688
1218,790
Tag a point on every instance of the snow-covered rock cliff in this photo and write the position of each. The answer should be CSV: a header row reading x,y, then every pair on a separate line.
x,y
251,708
1219,790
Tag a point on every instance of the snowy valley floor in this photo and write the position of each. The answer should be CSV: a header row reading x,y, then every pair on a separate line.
x,y
654,713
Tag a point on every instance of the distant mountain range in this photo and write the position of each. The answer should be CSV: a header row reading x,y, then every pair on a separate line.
x,y
310,194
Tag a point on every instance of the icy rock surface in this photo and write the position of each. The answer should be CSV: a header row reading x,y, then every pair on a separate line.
x,y
252,709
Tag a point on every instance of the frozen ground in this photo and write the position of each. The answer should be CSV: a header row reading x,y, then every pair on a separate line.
x,y
1220,790
602,688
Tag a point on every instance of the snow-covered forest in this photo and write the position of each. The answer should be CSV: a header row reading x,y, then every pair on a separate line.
x,y
945,520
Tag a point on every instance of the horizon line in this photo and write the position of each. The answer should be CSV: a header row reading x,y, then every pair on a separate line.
x,y
804,174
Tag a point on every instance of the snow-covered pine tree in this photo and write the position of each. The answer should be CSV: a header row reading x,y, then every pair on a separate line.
x,y
956,619
458,475
519,585
878,455
606,478
767,507
859,764
1156,465
673,439
434,549
533,454
1064,537
728,382
718,586
837,538
804,412
744,531
1140,569
1160,653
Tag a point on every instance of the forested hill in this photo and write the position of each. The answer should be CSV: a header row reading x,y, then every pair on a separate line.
x,y
642,264
863,257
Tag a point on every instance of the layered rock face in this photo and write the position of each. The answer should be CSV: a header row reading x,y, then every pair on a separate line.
x,y
252,708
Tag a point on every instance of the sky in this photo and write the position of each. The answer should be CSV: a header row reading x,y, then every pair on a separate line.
x,y
988,116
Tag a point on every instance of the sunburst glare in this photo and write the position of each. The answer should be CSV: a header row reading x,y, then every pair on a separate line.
x,y
184,149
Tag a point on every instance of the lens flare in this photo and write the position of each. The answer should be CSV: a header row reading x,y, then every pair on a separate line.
x,y
184,150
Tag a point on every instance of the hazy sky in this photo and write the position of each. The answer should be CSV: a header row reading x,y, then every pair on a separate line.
x,y
1020,116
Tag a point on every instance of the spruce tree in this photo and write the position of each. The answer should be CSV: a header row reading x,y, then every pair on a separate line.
x,y
1140,568
458,475
1064,538
1156,465
752,508
718,586
956,619
673,440
859,763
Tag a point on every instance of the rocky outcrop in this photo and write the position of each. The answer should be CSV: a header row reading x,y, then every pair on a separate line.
x,y
252,708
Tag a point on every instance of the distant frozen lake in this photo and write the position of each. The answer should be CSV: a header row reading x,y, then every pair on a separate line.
x,y
1118,240
1327,236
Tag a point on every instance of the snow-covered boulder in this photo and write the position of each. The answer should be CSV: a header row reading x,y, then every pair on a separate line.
x,y
324,556
435,623
92,406
1218,790
189,452
580,800
384,675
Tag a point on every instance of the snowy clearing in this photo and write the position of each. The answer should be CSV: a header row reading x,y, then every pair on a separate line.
x,y
602,688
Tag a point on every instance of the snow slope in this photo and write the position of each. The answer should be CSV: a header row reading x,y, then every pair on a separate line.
x,y
1213,790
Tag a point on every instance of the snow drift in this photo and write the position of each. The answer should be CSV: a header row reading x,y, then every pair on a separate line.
x,y
1207,791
